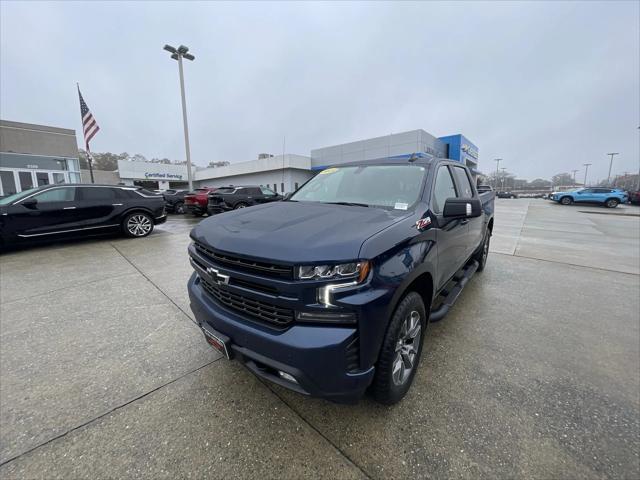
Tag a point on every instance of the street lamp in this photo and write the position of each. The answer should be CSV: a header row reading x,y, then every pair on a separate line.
x,y
502,179
586,169
610,165
497,160
178,54
574,175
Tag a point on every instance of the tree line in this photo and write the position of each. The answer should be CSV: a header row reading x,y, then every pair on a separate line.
x,y
109,161
507,181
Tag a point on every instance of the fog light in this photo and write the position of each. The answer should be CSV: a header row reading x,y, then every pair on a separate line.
x,y
287,377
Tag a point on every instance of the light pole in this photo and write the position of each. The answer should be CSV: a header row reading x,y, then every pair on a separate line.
x,y
574,175
178,54
502,178
586,169
610,165
497,160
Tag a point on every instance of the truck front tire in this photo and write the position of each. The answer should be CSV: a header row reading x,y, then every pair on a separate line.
x,y
483,253
401,350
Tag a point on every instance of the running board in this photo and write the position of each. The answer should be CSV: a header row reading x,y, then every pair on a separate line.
x,y
450,297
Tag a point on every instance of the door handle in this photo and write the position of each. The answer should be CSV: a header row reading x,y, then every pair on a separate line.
x,y
116,204
69,208
464,222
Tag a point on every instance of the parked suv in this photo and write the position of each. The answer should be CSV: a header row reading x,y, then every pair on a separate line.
x,y
331,291
174,200
71,210
609,197
233,197
196,202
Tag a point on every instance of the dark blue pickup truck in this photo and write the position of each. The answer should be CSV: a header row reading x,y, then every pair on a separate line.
x,y
330,291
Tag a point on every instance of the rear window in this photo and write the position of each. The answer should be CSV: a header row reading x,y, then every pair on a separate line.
x,y
144,191
225,190
97,193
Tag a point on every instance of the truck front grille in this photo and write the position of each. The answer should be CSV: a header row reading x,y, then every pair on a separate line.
x,y
251,266
262,311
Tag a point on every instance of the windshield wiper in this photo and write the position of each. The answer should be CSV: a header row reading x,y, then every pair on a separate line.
x,y
351,204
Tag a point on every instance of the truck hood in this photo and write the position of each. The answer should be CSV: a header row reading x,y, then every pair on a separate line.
x,y
296,232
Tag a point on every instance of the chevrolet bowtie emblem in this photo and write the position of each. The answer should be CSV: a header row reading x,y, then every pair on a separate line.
x,y
218,277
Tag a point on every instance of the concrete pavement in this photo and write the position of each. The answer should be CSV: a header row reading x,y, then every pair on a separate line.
x,y
533,373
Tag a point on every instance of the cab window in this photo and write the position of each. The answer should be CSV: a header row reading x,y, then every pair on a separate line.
x,y
267,191
443,189
463,182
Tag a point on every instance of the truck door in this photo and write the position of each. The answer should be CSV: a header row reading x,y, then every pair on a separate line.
x,y
451,234
475,227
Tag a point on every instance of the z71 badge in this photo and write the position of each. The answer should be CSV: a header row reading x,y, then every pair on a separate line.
x,y
423,223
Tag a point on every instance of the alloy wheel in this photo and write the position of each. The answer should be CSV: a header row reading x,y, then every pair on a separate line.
x,y
407,348
139,225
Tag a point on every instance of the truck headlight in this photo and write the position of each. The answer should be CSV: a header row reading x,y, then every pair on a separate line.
x,y
357,270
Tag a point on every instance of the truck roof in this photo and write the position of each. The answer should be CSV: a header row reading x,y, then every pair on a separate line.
x,y
400,160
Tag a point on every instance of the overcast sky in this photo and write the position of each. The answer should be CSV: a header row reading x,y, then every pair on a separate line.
x,y
545,86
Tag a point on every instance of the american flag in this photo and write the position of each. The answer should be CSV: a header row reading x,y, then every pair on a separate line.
x,y
89,124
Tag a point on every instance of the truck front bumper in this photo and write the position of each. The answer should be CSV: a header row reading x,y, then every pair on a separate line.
x,y
315,356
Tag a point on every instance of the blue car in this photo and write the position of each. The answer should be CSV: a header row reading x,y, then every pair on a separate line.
x,y
609,197
330,292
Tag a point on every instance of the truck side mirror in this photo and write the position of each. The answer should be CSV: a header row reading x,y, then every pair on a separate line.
x,y
462,208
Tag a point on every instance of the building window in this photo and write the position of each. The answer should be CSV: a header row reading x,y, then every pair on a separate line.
x,y
275,187
42,178
296,185
8,183
26,180
282,188
58,177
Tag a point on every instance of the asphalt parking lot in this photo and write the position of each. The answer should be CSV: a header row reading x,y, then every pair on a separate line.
x,y
534,373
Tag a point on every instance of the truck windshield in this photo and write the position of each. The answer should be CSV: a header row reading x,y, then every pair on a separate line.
x,y
387,186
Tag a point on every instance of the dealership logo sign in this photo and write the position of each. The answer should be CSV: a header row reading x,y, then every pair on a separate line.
x,y
469,150
163,175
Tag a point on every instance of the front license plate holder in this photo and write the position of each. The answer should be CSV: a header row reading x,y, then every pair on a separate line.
x,y
219,342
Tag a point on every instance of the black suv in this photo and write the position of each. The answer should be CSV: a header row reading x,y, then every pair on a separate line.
x,y
174,200
71,210
233,197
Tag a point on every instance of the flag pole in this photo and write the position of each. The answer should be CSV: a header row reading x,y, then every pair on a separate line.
x,y
90,162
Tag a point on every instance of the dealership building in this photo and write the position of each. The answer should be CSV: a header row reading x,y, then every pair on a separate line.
x,y
35,155
285,173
